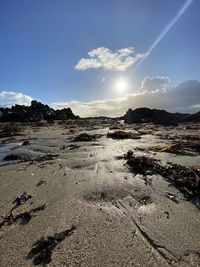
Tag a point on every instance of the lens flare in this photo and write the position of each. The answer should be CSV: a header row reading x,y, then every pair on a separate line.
x,y
166,30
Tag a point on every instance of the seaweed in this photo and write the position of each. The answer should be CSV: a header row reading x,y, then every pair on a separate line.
x,y
185,179
123,135
23,217
42,249
84,137
21,200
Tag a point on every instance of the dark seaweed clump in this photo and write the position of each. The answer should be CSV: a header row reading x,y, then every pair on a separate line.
x,y
23,217
186,179
84,137
43,248
123,135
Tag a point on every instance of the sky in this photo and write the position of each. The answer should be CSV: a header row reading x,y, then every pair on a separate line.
x,y
101,57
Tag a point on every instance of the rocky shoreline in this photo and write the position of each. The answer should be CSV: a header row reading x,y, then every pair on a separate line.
x,y
35,112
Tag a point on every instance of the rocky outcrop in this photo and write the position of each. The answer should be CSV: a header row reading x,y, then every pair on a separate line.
x,y
35,112
193,118
156,116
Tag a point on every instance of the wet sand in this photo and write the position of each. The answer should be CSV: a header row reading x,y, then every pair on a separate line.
x,y
120,219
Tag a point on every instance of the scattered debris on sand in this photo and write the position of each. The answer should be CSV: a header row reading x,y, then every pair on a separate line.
x,y
143,165
10,130
144,200
26,143
115,127
46,157
186,179
23,217
62,147
123,135
171,148
172,197
27,157
41,182
192,146
70,132
42,249
17,157
73,146
85,137
21,200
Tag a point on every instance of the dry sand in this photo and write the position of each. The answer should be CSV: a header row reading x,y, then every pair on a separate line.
x,y
120,219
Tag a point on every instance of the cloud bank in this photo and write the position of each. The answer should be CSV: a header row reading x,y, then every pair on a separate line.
x,y
183,98
11,98
152,93
104,58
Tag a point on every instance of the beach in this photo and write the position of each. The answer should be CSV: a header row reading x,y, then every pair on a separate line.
x,y
117,217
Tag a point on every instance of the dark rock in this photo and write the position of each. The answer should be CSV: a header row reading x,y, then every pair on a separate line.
x,y
35,112
193,118
146,115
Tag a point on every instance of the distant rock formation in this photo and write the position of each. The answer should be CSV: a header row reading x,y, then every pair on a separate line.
x,y
157,116
193,118
35,112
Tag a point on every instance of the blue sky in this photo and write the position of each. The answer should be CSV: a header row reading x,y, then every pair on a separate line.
x,y
43,40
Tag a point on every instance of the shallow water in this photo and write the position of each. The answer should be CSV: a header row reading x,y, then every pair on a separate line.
x,y
5,149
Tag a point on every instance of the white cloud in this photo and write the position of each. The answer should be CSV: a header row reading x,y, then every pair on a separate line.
x,y
182,98
11,98
102,57
154,84
196,106
108,107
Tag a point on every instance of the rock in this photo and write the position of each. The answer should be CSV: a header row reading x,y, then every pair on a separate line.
x,y
193,118
156,116
34,113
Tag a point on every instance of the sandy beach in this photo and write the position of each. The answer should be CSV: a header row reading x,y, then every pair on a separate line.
x,y
120,218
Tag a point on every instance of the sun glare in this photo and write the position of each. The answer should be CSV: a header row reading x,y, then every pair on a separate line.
x,y
121,85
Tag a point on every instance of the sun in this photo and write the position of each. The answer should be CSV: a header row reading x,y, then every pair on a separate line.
x,y
121,85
